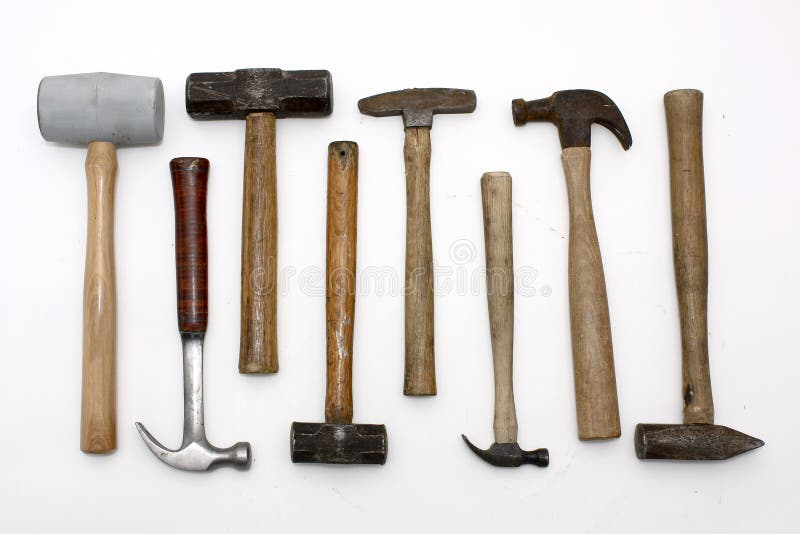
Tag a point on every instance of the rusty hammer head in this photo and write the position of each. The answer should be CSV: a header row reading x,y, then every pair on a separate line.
x,y
418,106
692,441
332,443
573,113
235,95
510,454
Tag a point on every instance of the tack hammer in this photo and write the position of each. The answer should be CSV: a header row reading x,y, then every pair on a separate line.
x,y
103,111
698,438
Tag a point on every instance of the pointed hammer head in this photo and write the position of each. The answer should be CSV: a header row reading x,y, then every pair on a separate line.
x,y
510,454
691,442
573,112
418,106
331,443
235,95
197,454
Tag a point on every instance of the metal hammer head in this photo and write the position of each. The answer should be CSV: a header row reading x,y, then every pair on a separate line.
x,y
331,443
573,112
418,106
691,442
121,109
235,95
196,453
510,454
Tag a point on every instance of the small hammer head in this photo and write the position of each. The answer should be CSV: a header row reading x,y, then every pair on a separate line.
x,y
121,109
418,106
510,454
235,95
331,443
573,112
691,442
196,453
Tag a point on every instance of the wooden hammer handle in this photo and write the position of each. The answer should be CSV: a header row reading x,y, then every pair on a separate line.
x,y
684,109
99,394
420,372
496,195
341,279
189,189
592,353
258,349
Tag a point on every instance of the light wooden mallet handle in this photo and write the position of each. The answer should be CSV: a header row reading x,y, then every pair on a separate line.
x,y
592,353
684,110
258,349
420,371
341,279
99,393
496,195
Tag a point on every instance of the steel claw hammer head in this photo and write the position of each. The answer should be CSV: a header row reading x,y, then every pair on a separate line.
x,y
573,112
197,455
418,106
510,454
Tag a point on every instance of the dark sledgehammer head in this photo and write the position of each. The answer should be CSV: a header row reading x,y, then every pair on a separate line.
x,y
573,112
510,454
235,95
418,106
695,441
331,443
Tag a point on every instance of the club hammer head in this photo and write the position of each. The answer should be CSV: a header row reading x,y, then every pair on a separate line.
x,y
235,95
510,454
573,112
418,106
331,443
197,454
694,441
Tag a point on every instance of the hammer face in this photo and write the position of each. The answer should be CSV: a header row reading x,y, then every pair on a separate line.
x,y
331,443
417,106
234,95
691,442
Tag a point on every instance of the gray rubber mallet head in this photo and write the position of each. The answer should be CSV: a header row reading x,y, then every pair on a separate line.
x,y
80,108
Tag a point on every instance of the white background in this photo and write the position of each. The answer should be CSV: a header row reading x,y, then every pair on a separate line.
x,y
743,55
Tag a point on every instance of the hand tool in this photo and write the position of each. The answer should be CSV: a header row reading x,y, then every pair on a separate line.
x,y
101,111
505,451
573,112
259,96
189,188
698,438
417,106
338,440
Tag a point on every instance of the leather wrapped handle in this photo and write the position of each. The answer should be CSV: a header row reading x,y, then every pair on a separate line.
x,y
340,264
99,388
258,349
684,110
592,353
189,188
420,371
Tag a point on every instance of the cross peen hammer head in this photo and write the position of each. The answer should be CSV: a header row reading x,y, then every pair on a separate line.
x,y
694,441
418,106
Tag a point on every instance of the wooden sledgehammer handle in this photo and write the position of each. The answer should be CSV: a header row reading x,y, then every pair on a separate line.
x,y
340,263
99,394
684,109
258,351
592,353
496,195
420,372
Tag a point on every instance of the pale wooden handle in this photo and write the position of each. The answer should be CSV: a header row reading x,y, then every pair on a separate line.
x,y
684,110
496,194
592,354
420,373
258,349
99,395
341,279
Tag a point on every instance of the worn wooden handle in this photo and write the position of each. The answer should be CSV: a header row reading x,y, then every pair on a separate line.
x,y
684,110
99,393
496,194
258,349
592,353
420,371
341,279
189,189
